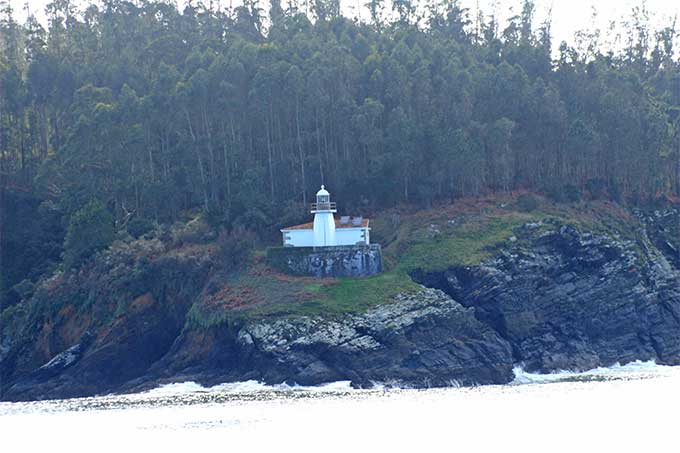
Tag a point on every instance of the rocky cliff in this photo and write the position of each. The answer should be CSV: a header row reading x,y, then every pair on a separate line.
x,y
565,299
91,331
423,339
551,294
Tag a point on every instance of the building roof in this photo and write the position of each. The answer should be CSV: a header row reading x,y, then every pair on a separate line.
x,y
338,225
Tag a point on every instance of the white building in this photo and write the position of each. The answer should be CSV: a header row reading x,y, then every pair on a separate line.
x,y
327,230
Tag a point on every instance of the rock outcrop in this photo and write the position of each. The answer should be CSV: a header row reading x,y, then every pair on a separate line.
x,y
566,299
422,339
103,334
553,296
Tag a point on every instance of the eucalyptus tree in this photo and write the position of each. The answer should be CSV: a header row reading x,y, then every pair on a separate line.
x,y
157,111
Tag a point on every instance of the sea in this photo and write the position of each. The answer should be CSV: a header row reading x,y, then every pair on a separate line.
x,y
634,407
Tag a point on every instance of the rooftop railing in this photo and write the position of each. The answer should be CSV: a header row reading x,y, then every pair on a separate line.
x,y
323,206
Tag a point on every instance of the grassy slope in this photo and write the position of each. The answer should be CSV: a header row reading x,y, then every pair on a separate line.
x,y
460,234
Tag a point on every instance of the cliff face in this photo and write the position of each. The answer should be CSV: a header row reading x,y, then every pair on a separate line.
x,y
91,331
551,298
552,295
565,299
423,339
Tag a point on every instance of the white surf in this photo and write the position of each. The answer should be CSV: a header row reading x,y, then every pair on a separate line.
x,y
623,408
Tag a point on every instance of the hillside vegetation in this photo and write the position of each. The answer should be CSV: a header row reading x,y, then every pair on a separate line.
x,y
463,234
506,279
151,112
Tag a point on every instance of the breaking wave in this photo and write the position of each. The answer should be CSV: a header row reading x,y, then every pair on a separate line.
x,y
629,371
599,408
245,387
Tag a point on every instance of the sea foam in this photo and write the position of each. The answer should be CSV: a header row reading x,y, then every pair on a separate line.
x,y
624,408
632,370
251,386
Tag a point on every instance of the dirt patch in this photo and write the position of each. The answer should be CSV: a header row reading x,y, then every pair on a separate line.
x,y
142,302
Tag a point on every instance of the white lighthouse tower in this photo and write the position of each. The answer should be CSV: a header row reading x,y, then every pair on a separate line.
x,y
326,230
324,220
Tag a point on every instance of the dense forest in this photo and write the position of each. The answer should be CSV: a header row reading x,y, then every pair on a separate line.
x,y
135,112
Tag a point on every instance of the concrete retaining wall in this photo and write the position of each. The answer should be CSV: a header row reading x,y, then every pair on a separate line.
x,y
324,262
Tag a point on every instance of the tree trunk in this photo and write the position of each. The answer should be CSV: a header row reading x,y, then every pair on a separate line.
x,y
300,152
318,148
55,126
206,125
227,168
43,133
2,190
268,127
200,162
150,152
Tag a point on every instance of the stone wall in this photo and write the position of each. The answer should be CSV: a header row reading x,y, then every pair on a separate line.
x,y
323,262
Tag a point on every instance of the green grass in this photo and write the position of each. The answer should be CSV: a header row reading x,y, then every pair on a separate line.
x,y
336,298
465,245
412,248
201,317
427,240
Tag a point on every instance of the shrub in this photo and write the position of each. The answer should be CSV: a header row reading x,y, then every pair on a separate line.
x,y
90,230
293,213
572,193
24,289
555,194
215,217
596,188
527,203
234,247
196,231
565,194
254,218
8,298
139,226
615,192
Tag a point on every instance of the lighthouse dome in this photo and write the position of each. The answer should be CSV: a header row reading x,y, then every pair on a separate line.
x,y
323,201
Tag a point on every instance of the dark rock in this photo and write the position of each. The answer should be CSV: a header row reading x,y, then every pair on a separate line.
x,y
128,334
423,339
131,346
63,360
555,297
575,300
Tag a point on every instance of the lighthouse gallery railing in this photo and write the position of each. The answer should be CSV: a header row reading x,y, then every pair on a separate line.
x,y
323,206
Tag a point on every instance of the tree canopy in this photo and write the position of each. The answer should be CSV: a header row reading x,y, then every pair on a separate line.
x,y
153,111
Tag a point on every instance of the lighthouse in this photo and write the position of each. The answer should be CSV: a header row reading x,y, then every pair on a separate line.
x,y
324,219
327,230
328,246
